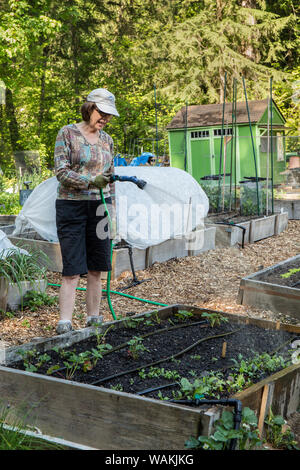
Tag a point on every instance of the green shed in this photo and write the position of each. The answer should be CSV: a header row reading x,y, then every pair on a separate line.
x,y
196,132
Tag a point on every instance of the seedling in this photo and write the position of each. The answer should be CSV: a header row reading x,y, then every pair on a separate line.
x,y
136,346
183,315
290,273
214,318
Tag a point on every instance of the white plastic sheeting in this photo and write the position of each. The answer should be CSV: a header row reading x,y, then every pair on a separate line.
x,y
171,205
6,246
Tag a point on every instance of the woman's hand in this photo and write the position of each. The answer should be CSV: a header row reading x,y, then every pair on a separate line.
x,y
100,181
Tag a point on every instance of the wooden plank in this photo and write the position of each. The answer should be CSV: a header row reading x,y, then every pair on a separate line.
x,y
97,417
285,395
263,409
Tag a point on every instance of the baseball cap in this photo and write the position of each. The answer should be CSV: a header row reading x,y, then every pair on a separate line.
x,y
104,100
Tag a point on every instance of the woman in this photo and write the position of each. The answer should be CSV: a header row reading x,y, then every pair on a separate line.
x,y
83,159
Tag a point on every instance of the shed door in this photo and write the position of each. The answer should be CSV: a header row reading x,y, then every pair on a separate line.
x,y
201,158
226,154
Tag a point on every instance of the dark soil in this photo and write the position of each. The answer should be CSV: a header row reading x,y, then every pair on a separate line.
x,y
274,276
243,341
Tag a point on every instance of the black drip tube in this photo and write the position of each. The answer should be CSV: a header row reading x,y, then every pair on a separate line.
x,y
234,225
237,404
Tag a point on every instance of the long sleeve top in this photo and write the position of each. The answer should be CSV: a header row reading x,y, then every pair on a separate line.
x,y
76,161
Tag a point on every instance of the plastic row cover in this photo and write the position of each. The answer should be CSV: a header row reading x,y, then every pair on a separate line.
x,y
171,205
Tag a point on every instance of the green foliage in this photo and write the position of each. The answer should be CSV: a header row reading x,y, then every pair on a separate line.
x,y
53,53
214,318
290,273
247,435
9,203
13,437
136,346
276,435
35,299
17,267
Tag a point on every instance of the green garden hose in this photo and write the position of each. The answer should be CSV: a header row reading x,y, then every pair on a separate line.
x,y
108,291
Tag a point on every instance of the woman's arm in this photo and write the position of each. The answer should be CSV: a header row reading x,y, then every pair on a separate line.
x,y
62,163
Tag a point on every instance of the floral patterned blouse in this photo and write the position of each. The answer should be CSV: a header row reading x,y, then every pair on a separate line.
x,y
76,161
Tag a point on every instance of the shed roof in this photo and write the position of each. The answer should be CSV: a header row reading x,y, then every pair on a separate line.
x,y
211,114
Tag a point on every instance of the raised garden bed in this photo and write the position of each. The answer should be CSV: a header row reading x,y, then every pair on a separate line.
x,y
142,259
119,412
276,288
232,229
291,206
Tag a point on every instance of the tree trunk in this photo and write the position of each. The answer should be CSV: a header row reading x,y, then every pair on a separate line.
x,y
12,122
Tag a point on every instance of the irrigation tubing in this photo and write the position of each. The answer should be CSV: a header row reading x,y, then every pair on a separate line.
x,y
154,389
146,335
164,359
235,225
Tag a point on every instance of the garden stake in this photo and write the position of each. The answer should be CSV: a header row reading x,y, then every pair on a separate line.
x,y
224,347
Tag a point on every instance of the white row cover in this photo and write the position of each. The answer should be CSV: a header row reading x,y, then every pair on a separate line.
x,y
6,246
171,205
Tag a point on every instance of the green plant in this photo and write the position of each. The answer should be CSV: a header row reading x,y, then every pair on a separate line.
x,y
17,266
15,436
290,273
136,346
276,435
35,299
247,435
214,318
74,361
28,359
183,315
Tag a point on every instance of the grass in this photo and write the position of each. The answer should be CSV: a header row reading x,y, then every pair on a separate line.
x,y
15,437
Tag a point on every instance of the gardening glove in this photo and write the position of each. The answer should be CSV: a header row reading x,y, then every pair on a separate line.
x,y
100,181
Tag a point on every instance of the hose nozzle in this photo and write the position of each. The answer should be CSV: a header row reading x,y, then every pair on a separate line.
x,y
132,179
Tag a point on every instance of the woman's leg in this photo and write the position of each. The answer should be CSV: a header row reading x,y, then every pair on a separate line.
x,y
67,297
93,293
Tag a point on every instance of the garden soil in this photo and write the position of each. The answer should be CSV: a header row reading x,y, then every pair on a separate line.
x,y
210,280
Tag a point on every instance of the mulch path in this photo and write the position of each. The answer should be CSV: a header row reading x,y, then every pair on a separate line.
x,y
210,280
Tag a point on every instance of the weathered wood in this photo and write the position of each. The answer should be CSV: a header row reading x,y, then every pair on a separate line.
x,y
107,419
285,395
276,297
263,408
97,417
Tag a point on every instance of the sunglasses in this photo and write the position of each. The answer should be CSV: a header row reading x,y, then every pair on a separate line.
x,y
104,115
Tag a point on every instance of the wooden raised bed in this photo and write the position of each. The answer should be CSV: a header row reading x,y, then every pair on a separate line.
x,y
278,298
291,206
255,229
142,258
107,419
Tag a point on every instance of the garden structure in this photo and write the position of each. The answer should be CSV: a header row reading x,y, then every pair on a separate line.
x,y
276,287
154,380
197,132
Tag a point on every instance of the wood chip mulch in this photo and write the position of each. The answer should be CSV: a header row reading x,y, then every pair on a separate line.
x,y
210,280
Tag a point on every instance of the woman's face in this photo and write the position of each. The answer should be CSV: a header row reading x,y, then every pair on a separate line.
x,y
98,120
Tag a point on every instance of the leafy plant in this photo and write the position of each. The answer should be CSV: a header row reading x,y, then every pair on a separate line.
x,y
290,273
214,318
276,435
247,435
35,299
16,266
183,315
136,346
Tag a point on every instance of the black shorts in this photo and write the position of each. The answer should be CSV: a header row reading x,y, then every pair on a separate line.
x,y
82,248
